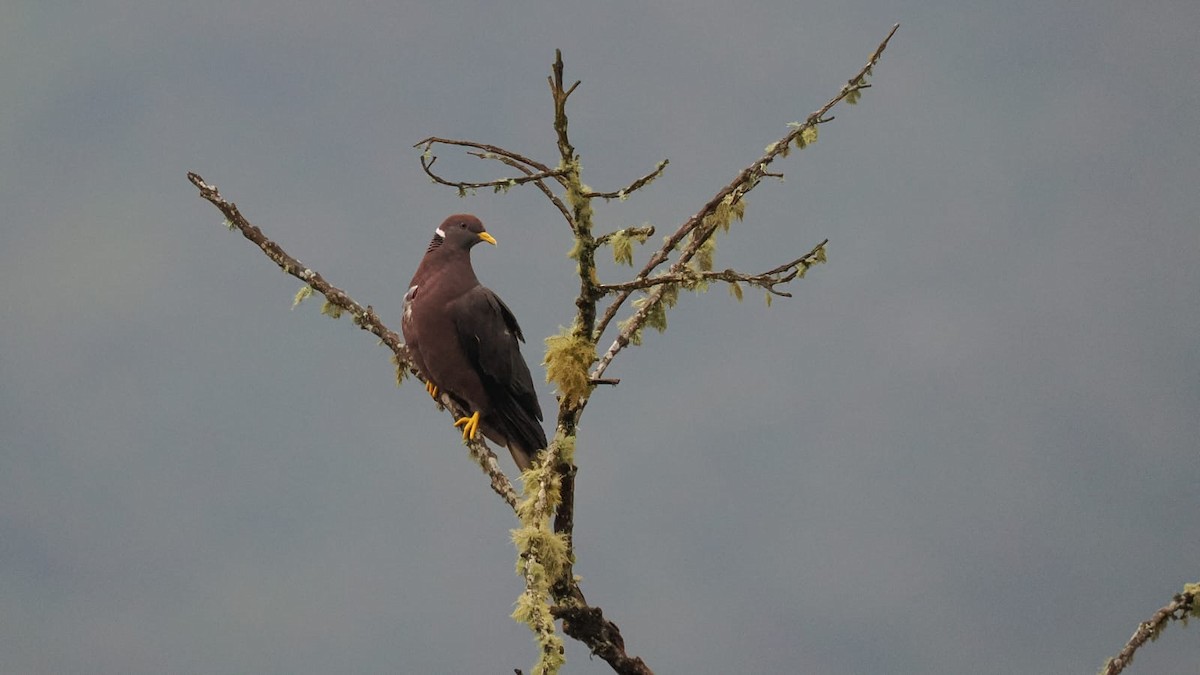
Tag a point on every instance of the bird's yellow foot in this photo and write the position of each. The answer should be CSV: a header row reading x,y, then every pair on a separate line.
x,y
470,426
432,389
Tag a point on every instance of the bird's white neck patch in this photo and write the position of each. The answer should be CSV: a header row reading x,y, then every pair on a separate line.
x,y
439,233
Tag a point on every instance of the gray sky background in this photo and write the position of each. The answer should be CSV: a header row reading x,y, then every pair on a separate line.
x,y
968,444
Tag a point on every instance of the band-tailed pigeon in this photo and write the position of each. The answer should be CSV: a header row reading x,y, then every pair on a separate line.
x,y
463,339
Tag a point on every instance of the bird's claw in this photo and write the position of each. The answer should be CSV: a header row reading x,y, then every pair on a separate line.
x,y
470,426
432,389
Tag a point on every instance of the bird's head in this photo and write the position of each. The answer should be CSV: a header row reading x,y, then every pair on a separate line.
x,y
460,232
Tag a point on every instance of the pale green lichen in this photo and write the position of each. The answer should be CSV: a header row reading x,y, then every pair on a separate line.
x,y
728,210
576,250
635,338
568,357
401,369
566,447
331,310
581,205
705,253
301,295
550,550
622,248
807,135
819,256
622,242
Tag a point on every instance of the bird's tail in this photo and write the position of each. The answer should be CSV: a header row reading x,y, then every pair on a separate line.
x,y
522,432
521,455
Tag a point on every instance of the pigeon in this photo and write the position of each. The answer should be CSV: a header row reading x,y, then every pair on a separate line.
x,y
464,341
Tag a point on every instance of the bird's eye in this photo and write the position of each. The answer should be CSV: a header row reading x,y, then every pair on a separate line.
x,y
462,225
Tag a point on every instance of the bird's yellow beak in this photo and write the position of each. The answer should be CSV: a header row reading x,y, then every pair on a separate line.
x,y
488,238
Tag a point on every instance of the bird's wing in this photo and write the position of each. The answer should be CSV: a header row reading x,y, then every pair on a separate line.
x,y
489,334
408,328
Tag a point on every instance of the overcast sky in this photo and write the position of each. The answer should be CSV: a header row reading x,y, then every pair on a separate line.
x,y
968,444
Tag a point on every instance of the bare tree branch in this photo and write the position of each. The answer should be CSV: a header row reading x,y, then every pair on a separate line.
x,y
1180,608
765,280
634,186
486,149
640,232
364,317
733,192
499,183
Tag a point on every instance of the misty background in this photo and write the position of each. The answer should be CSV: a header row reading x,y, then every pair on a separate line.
x,y
968,444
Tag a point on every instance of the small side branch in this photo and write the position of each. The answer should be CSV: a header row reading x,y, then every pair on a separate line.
x,y
634,186
499,183
1182,606
767,280
364,317
485,150
640,233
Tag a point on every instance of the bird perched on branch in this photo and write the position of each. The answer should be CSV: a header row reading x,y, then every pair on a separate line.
x,y
464,341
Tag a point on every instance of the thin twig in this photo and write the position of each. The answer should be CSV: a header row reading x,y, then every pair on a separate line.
x,y
534,170
364,317
765,280
643,232
501,183
428,144
634,186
